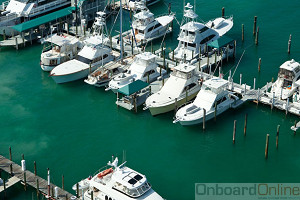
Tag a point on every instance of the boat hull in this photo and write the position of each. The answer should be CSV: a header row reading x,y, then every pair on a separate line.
x,y
47,68
72,77
169,107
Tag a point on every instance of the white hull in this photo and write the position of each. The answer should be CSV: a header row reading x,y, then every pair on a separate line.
x,y
72,77
47,68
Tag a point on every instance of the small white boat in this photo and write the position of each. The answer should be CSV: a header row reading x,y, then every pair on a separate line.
x,y
145,27
93,55
213,97
58,49
285,85
194,35
182,86
144,68
114,182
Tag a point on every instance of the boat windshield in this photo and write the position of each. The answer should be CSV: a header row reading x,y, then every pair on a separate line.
x,y
133,192
181,74
286,74
83,59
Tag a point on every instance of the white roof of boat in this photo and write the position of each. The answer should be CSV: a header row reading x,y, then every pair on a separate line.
x,y
62,39
69,67
216,83
205,99
165,20
144,14
146,56
91,53
193,26
290,65
125,174
184,67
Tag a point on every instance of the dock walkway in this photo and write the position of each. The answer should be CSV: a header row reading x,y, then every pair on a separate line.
x,y
31,180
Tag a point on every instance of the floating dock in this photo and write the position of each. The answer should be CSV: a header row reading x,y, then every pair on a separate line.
x,y
28,178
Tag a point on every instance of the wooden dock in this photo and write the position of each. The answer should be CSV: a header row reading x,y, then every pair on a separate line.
x,y
28,178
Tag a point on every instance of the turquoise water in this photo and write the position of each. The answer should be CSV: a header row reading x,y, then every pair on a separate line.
x,y
74,128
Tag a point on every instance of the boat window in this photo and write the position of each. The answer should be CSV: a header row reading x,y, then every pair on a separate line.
x,y
100,58
286,83
286,74
205,28
221,100
83,59
180,74
132,181
192,45
154,27
141,31
297,69
208,38
138,177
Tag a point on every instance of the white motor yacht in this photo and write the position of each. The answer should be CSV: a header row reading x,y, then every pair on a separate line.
x,y
114,182
194,35
58,49
144,68
145,27
284,87
182,86
213,97
93,55
15,12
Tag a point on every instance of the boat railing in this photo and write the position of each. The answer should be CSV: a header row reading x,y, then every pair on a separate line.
x,y
45,7
91,6
8,17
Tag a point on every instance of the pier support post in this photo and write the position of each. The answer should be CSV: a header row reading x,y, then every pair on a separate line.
x,y
117,99
10,156
175,106
277,136
92,195
241,79
16,42
34,164
4,36
267,147
273,99
135,103
25,184
259,64
295,127
254,80
63,182
245,125
48,183
245,88
204,115
37,188
215,58
258,94
242,32
254,25
223,12
77,190
227,53
23,39
287,106
289,44
215,114
132,44
256,38
234,131
234,51
173,55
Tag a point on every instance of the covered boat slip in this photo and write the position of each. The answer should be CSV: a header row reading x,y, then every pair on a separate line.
x,y
136,93
32,29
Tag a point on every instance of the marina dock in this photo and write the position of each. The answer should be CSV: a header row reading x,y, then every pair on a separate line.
x,y
28,178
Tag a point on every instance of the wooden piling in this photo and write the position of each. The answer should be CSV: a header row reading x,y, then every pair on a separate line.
x,y
204,115
256,38
10,156
267,147
4,36
234,131
37,188
289,44
63,182
277,136
34,164
175,105
259,64
16,41
92,195
234,50
30,36
173,55
295,127
77,190
215,114
132,44
223,12
254,26
135,104
11,170
245,125
24,177
23,158
242,32
23,38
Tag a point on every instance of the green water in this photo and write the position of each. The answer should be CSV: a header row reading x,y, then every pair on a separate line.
x,y
74,128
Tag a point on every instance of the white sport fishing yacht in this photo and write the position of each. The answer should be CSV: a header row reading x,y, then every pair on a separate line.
x,y
114,182
14,12
284,87
58,49
144,68
93,55
182,86
213,97
195,35
145,27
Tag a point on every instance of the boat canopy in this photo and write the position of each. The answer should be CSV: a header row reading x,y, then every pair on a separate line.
x,y
133,87
43,19
221,42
